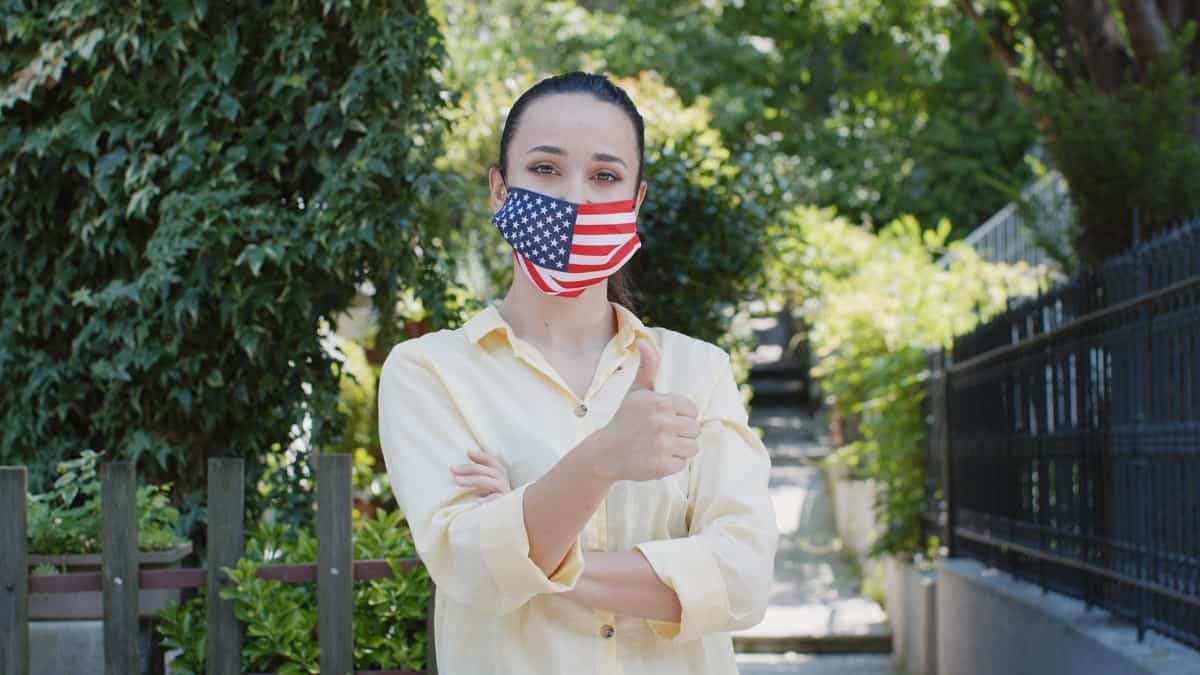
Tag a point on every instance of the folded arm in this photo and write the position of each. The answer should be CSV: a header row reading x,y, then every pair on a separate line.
x,y
477,552
624,582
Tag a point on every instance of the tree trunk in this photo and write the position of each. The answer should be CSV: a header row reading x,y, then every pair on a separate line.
x,y
1176,12
1092,24
1147,32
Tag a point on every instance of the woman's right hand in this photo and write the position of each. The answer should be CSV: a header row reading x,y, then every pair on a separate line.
x,y
652,435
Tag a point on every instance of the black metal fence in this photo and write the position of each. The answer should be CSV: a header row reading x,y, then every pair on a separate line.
x,y
1065,438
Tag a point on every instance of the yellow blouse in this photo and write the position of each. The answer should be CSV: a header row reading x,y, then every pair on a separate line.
x,y
709,532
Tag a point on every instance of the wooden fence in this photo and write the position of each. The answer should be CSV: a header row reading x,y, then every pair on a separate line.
x,y
120,580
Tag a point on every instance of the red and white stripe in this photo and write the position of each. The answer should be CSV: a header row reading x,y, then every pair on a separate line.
x,y
605,239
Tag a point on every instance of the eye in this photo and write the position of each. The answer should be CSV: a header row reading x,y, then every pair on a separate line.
x,y
607,177
544,169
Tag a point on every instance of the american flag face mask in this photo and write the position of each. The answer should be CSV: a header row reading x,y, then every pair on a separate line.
x,y
565,247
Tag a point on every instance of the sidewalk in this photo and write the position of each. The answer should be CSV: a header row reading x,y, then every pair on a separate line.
x,y
817,623
815,604
801,664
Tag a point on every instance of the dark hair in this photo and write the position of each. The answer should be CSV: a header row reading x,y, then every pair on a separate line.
x,y
620,284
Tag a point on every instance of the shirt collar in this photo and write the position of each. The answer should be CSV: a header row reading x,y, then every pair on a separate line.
x,y
489,320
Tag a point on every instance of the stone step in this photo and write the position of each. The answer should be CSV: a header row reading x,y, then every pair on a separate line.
x,y
814,644
813,664
792,392
853,625
782,369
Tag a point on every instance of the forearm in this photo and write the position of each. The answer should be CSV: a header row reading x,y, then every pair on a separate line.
x,y
625,583
559,504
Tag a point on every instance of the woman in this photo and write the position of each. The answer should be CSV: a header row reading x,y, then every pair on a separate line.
x,y
639,531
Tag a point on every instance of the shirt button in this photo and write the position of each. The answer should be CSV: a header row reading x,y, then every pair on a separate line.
x,y
607,631
580,410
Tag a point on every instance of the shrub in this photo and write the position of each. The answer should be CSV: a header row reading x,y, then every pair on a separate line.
x,y
703,234
189,190
878,303
1132,154
67,518
280,620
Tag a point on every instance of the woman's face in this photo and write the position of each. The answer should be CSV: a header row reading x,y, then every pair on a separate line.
x,y
572,147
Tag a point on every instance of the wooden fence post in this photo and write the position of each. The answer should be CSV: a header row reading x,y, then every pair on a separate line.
x,y
226,494
430,648
120,581
14,572
335,571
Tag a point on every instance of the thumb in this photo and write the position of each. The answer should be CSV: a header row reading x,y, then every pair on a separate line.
x,y
647,368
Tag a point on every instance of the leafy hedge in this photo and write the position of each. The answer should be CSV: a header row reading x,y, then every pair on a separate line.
x,y
189,191
280,619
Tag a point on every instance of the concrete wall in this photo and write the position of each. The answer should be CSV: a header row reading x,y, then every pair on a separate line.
x,y
76,647
989,624
59,647
912,613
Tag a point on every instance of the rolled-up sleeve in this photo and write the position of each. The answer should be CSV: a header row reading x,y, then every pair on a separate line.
x,y
722,570
476,552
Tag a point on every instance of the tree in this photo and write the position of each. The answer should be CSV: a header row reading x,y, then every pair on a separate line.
x,y
1113,86
878,109
190,192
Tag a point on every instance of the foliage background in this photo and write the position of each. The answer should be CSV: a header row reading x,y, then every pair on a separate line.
x,y
194,194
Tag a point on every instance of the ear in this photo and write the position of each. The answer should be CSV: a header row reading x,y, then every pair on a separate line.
x,y
496,187
641,197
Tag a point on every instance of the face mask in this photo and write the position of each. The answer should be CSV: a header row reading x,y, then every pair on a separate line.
x,y
565,247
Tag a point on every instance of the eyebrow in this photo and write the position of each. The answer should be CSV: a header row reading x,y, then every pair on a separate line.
x,y
599,156
604,157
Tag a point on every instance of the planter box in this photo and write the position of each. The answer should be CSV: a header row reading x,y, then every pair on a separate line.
x,y
854,514
88,604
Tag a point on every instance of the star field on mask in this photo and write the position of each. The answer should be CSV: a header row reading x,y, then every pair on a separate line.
x,y
538,227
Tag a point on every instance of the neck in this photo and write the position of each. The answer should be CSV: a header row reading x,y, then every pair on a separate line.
x,y
582,322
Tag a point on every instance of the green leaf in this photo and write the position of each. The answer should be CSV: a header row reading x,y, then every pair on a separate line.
x,y
315,115
85,44
228,107
215,379
227,60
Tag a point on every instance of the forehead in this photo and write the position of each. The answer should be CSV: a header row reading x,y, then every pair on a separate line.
x,y
581,124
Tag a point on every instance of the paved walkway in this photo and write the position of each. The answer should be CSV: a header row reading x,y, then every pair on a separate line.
x,y
802,664
815,604
817,623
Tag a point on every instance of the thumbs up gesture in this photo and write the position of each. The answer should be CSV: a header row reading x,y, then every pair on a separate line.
x,y
652,434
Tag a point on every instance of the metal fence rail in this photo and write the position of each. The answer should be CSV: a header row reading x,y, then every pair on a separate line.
x,y
1071,448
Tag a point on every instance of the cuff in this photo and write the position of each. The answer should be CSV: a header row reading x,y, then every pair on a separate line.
x,y
504,546
689,567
